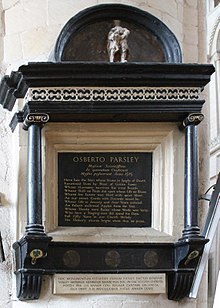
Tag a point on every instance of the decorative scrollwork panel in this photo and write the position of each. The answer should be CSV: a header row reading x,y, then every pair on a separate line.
x,y
112,94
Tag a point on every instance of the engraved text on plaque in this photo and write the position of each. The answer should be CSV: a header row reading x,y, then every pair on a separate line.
x,y
104,189
109,283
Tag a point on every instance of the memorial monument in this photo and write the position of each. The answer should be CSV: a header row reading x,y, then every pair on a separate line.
x,y
110,125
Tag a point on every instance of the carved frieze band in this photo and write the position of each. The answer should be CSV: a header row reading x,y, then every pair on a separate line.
x,y
36,118
112,94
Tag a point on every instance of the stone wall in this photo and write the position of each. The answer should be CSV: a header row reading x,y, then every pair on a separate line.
x,y
31,27
28,31
213,41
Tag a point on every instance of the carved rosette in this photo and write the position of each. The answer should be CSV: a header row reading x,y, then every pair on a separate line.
x,y
35,118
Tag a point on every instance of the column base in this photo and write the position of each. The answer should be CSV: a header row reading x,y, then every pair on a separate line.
x,y
191,233
34,229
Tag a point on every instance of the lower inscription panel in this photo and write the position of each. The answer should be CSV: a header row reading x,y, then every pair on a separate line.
x,y
104,189
109,283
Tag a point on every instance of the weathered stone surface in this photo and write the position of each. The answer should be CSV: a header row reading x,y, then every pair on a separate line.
x,y
26,15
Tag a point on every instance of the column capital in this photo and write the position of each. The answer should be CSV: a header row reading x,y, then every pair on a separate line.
x,y
193,118
35,118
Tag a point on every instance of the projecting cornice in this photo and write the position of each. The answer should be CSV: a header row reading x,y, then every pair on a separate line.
x,y
70,74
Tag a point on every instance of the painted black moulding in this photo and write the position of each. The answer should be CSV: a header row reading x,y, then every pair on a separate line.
x,y
70,74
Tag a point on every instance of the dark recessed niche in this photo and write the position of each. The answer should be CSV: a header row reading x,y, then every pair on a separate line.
x,y
90,42
84,37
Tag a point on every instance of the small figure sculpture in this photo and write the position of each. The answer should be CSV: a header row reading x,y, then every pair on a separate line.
x,y
117,43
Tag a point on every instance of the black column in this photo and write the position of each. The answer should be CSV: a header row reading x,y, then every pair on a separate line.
x,y
191,229
34,124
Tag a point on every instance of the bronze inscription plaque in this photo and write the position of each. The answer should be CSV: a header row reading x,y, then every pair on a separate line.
x,y
104,189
